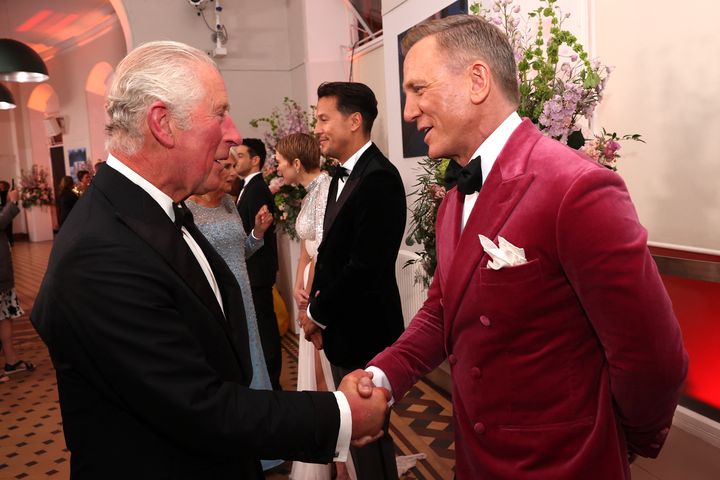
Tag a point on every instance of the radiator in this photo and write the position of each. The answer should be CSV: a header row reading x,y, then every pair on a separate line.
x,y
412,292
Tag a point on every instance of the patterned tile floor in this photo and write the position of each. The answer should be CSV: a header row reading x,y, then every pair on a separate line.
x,y
32,445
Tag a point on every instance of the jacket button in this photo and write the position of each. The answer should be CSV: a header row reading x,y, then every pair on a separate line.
x,y
479,428
452,359
476,373
485,320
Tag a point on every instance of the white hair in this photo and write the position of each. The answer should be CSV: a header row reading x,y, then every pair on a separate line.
x,y
164,71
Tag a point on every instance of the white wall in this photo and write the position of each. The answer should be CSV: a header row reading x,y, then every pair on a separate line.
x,y
664,88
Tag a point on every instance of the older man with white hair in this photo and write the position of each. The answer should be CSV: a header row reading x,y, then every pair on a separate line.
x,y
145,322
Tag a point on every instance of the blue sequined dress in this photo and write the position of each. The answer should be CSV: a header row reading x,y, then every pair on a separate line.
x,y
224,230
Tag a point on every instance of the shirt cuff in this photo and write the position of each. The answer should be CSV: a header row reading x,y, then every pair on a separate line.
x,y
343,441
313,320
379,379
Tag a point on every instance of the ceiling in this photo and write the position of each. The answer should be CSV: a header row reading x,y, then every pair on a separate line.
x,y
51,27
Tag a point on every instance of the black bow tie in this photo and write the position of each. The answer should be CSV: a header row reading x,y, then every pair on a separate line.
x,y
340,172
469,179
183,215
241,183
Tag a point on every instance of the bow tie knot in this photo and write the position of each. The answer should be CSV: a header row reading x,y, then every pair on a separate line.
x,y
469,179
183,215
340,172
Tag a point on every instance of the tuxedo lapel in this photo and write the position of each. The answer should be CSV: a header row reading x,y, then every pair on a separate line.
x,y
333,209
146,218
503,189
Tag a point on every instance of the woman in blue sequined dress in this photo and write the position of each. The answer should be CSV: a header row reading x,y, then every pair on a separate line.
x,y
217,218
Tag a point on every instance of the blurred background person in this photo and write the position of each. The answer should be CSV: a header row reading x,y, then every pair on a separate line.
x,y
262,267
219,221
9,303
66,198
4,189
83,182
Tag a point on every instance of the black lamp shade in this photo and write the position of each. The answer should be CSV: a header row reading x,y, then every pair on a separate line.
x,y
6,99
20,63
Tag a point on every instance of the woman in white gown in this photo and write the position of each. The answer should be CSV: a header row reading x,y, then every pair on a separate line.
x,y
298,157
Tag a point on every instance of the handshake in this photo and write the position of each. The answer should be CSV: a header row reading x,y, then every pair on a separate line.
x,y
368,404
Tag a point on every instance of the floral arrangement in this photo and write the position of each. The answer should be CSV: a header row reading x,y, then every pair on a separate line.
x,y
287,119
603,148
430,191
560,87
35,188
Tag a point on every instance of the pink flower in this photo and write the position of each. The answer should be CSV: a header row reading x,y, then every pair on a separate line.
x,y
275,185
610,148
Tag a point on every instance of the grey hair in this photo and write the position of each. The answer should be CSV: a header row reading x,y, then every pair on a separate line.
x,y
162,70
466,38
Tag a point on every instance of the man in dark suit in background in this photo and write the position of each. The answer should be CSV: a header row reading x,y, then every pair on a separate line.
x,y
262,265
144,321
354,300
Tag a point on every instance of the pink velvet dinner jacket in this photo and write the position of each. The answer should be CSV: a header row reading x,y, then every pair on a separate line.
x,y
560,365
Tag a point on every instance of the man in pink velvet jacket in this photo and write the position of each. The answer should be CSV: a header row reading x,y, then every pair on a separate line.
x,y
564,364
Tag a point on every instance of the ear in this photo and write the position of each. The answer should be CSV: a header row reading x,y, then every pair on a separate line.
x,y
355,121
255,161
158,121
297,163
479,82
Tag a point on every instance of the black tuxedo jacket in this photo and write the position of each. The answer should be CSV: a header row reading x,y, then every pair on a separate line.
x,y
262,265
151,373
358,298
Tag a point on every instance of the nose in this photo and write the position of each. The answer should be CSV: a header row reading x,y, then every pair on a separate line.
x,y
411,111
230,132
317,130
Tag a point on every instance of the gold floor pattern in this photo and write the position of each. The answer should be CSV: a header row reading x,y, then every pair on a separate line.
x,y
32,445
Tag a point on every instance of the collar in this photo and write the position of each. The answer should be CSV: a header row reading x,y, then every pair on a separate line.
x,y
352,161
493,145
250,177
158,195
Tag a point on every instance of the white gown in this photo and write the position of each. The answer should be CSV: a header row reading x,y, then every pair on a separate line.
x,y
309,226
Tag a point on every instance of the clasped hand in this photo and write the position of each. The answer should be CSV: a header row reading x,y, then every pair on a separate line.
x,y
368,404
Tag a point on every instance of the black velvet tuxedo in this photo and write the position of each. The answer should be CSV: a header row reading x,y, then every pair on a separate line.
x,y
262,269
151,374
358,298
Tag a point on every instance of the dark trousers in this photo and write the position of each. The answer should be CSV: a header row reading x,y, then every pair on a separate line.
x,y
269,333
375,461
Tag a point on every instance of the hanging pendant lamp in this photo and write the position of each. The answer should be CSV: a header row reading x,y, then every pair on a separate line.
x,y
6,99
20,63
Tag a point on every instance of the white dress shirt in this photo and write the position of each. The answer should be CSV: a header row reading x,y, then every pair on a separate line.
x,y
166,204
488,151
247,180
349,165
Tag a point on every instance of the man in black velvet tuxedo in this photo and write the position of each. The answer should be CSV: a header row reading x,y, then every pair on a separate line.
x,y
145,322
354,302
262,265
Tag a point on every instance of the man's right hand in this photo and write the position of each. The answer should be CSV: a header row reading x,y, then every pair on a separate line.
x,y
368,412
13,195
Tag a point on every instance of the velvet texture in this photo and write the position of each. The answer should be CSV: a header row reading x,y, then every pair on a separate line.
x,y
561,364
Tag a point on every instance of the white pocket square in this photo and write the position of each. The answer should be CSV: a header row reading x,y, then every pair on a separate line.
x,y
505,254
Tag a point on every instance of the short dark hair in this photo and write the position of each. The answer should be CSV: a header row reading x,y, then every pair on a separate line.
x,y
352,97
82,174
256,148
